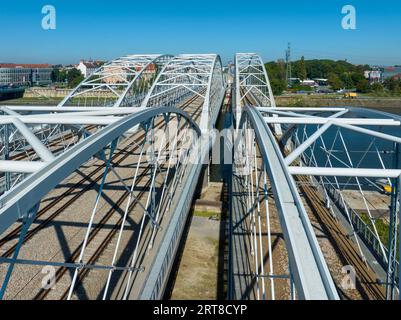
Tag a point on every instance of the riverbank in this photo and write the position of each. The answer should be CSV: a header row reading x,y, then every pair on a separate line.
x,y
385,104
382,103
31,101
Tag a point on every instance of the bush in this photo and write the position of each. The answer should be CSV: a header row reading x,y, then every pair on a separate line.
x,y
335,82
377,87
363,86
393,85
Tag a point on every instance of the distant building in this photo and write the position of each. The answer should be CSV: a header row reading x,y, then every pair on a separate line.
x,y
322,82
373,75
25,74
118,74
87,68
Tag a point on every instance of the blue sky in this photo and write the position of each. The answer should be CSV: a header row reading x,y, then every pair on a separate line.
x,y
108,29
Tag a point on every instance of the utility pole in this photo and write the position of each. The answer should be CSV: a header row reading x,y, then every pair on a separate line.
x,y
288,75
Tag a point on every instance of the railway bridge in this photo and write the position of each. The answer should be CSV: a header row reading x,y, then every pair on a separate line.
x,y
95,192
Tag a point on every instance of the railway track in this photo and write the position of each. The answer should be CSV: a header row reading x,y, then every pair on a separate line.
x,y
123,154
103,244
345,245
367,284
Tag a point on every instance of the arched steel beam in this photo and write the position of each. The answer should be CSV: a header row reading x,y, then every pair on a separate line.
x,y
115,74
208,117
190,74
16,204
309,270
252,84
161,57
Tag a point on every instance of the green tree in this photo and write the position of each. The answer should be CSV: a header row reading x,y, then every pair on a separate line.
x,y
393,85
363,86
278,86
357,77
276,73
58,75
377,87
74,77
302,69
347,80
335,81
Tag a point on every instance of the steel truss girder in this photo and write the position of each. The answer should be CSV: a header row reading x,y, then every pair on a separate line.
x,y
199,74
120,78
133,68
208,73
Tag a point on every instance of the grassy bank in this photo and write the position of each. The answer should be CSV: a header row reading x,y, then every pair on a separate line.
x,y
337,101
34,101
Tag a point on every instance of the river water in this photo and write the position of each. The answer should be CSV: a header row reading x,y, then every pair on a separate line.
x,y
356,144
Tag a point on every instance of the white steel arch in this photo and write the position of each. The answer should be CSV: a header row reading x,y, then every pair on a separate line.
x,y
130,81
96,121
190,74
253,176
122,82
252,85
16,204
119,83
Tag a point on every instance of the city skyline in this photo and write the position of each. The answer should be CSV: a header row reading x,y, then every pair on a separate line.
x,y
313,28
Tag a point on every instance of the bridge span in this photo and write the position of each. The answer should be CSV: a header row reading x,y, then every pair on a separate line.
x,y
302,175
98,188
95,192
